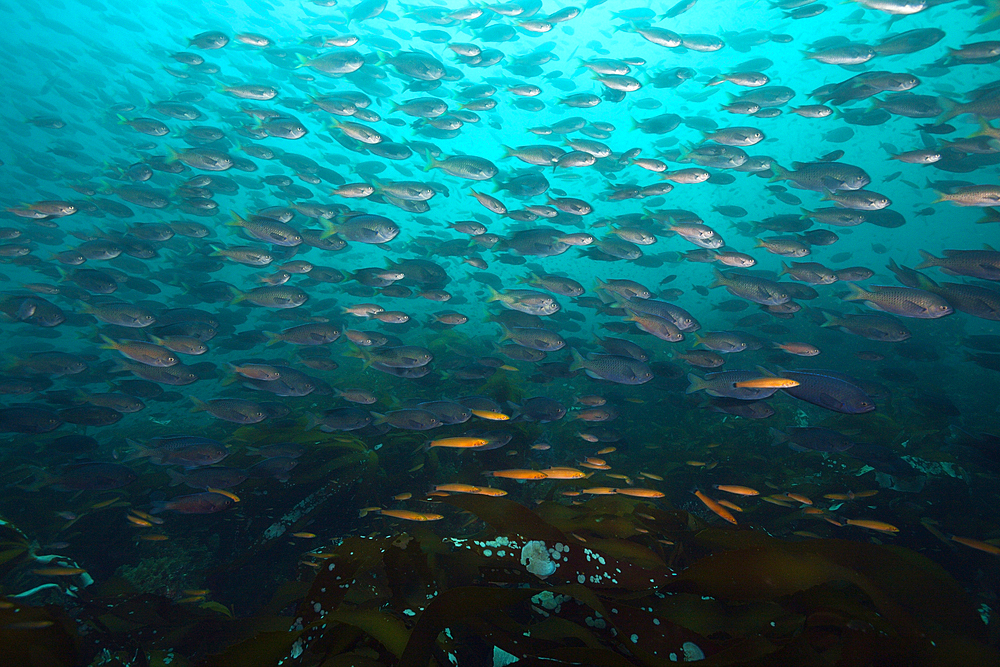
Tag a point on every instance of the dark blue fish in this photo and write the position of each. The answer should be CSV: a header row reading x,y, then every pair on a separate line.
x,y
812,438
829,392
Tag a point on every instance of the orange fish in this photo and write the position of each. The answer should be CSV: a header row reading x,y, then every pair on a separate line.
x,y
976,544
457,488
407,515
59,571
148,517
461,442
640,493
799,498
542,447
595,461
766,383
195,591
516,473
781,501
232,496
559,472
489,491
29,625
649,475
403,496
850,495
871,524
601,490
594,466
738,490
154,538
606,450
305,536
489,414
571,494
731,505
136,521
713,505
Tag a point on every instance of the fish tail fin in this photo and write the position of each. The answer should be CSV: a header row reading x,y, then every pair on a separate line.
x,y
494,295
831,320
137,451
176,478
578,361
508,152
925,283
237,297
236,219
329,228
941,196
985,129
42,478
172,155
303,60
856,293
379,418
697,383
159,506
272,338
777,437
780,173
929,260
362,354
109,343
784,269
199,405
431,162
719,280
951,109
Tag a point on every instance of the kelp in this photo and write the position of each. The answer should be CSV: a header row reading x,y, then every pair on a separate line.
x,y
13,546
618,597
38,637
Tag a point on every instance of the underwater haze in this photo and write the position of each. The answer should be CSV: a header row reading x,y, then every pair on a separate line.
x,y
344,333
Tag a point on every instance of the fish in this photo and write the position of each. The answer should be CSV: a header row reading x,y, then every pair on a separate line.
x,y
812,438
208,502
828,391
902,301
872,524
737,490
728,384
716,508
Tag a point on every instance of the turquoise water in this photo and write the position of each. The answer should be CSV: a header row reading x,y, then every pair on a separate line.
x,y
263,324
